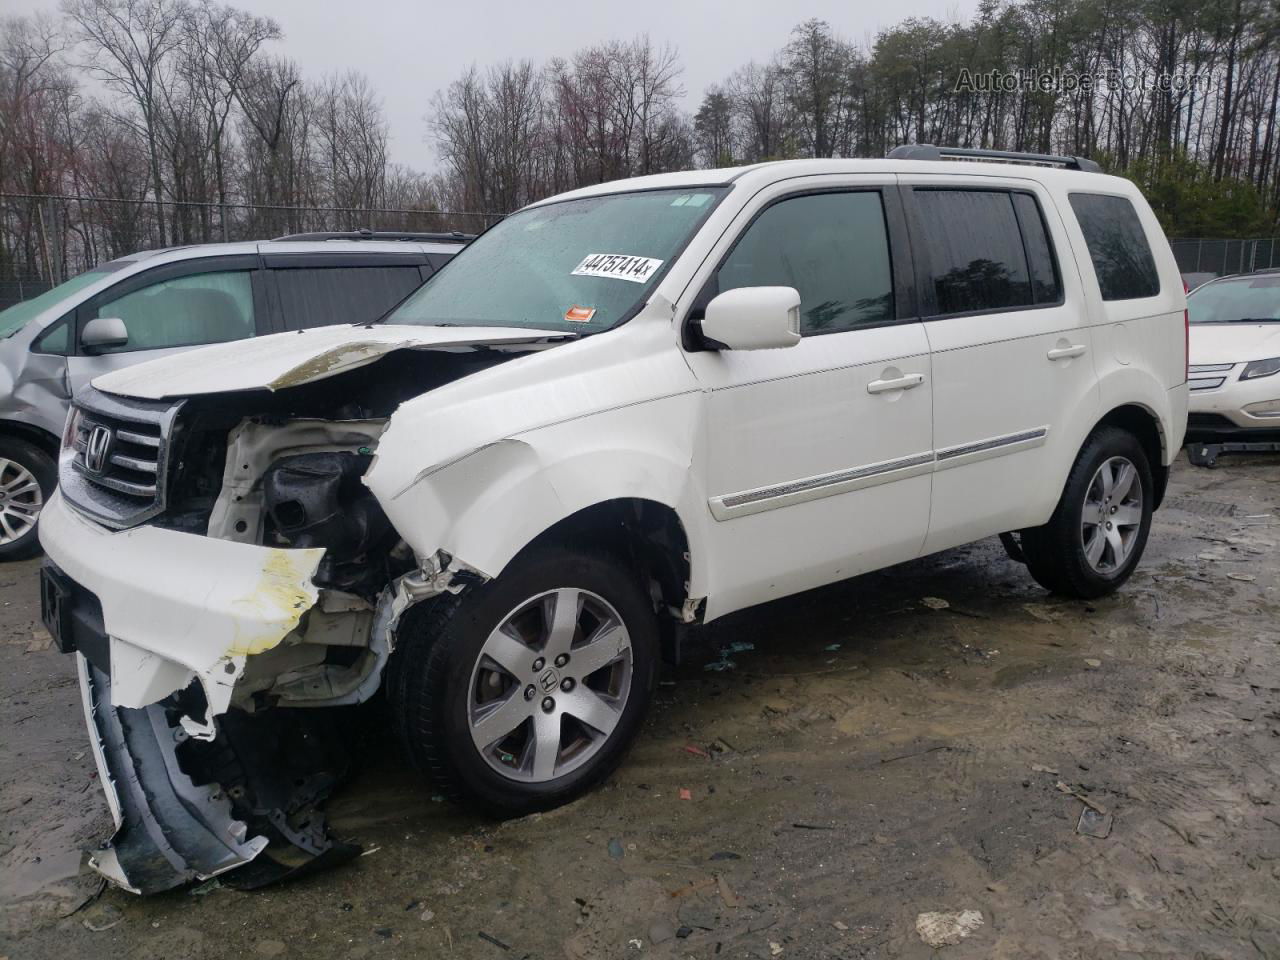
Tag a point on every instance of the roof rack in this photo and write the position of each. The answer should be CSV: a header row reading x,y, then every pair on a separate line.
x,y
927,151
453,236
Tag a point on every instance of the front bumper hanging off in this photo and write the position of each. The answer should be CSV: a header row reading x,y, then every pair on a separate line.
x,y
186,809
195,785
169,830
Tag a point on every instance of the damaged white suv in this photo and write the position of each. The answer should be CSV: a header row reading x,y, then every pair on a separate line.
x,y
633,407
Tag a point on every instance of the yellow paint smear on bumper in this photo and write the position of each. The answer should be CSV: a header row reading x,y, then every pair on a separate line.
x,y
284,592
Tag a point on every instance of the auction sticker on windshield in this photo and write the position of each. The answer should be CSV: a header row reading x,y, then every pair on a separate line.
x,y
617,266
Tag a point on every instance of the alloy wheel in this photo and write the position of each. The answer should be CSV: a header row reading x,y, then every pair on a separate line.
x,y
550,685
1112,515
20,501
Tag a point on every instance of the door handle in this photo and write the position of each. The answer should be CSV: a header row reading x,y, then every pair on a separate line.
x,y
908,382
1066,353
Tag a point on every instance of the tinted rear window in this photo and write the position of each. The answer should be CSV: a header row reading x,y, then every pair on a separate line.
x,y
988,251
318,297
1046,287
1117,246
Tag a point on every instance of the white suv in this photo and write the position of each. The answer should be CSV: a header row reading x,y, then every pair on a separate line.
x,y
629,408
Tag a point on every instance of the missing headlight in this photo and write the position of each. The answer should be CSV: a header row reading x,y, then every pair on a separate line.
x,y
318,500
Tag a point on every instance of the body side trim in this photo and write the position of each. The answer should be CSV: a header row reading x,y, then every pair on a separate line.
x,y
758,500
761,499
964,453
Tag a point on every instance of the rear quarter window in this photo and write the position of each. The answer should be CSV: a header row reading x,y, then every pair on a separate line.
x,y
1118,246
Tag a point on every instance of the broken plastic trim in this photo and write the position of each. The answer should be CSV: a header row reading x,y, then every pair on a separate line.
x,y
168,830
171,830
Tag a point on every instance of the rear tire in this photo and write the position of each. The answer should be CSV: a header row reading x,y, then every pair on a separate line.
x,y
1097,534
27,478
492,691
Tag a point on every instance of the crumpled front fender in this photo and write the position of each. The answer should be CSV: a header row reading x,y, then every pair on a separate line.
x,y
485,507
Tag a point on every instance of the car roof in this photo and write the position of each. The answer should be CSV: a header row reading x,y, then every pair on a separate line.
x,y
293,247
759,175
1263,272
113,271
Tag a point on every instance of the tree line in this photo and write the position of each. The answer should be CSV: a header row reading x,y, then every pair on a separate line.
x,y
211,133
201,114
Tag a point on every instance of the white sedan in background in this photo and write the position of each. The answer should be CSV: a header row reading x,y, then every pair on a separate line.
x,y
1234,356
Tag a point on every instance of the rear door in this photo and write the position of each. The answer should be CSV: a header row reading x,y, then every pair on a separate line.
x,y
322,289
1010,346
172,308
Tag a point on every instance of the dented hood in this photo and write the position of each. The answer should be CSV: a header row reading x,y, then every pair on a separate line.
x,y
288,359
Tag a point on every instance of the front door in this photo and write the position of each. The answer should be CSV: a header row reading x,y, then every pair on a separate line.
x,y
169,309
818,455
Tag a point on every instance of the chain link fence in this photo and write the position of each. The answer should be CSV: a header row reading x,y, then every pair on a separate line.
x,y
15,291
1219,257
48,238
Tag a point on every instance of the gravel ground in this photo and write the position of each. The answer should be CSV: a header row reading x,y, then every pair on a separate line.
x,y
866,754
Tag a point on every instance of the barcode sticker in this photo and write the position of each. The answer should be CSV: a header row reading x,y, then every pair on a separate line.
x,y
617,266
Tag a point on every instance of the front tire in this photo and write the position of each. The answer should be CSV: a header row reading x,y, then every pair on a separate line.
x,y
524,692
27,478
1097,534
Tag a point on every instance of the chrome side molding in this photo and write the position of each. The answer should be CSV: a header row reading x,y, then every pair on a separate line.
x,y
758,500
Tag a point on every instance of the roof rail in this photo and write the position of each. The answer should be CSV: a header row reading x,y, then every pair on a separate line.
x,y
453,236
927,151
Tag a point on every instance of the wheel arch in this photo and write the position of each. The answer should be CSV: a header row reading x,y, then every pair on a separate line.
x,y
36,436
1145,425
645,534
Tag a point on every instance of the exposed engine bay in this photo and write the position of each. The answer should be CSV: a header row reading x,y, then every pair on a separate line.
x,y
215,740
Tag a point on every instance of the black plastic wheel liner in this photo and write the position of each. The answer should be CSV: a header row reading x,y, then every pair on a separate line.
x,y
279,766
178,824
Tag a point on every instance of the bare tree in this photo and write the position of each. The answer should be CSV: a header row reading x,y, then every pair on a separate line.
x,y
758,96
222,45
130,43
32,90
351,140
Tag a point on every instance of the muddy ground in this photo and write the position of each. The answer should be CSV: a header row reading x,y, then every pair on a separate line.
x,y
873,757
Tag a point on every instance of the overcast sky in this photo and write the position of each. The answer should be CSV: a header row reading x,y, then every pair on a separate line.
x,y
410,49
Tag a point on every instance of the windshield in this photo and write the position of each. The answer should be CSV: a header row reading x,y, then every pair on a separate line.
x,y
15,318
1236,301
579,265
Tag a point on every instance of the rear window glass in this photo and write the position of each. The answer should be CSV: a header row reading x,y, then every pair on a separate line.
x,y
975,248
322,296
1046,287
1117,246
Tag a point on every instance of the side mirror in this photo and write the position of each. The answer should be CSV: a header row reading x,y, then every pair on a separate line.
x,y
102,333
753,318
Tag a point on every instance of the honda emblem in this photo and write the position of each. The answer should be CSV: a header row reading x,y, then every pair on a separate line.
x,y
97,448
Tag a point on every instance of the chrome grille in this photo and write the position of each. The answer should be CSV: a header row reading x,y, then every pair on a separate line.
x,y
115,466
